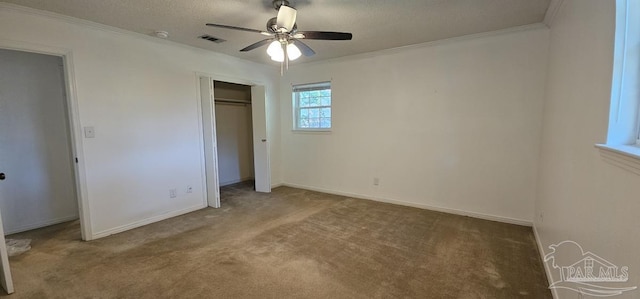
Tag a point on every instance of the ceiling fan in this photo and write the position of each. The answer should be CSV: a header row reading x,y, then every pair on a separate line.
x,y
284,37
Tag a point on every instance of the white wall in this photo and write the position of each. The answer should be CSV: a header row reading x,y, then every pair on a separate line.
x,y
453,125
581,197
140,94
34,143
234,134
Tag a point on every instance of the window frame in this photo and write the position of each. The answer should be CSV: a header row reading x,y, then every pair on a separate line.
x,y
622,148
638,126
638,129
295,94
624,114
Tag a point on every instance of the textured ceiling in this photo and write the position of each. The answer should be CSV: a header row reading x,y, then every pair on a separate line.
x,y
375,24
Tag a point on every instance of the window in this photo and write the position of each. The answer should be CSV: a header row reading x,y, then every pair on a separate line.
x,y
624,117
312,107
623,139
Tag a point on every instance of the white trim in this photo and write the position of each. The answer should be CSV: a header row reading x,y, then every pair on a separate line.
x,y
75,126
203,166
623,156
273,186
552,12
6,280
638,124
547,270
86,226
41,224
144,222
231,79
324,130
209,151
418,205
638,131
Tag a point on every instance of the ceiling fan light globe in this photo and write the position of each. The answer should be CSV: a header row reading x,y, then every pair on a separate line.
x,y
278,58
293,52
275,49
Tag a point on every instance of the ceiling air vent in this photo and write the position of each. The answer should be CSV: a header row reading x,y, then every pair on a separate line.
x,y
212,38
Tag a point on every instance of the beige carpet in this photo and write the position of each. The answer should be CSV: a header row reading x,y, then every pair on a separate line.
x,y
288,244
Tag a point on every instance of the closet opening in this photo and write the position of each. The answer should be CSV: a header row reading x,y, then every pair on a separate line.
x,y
234,134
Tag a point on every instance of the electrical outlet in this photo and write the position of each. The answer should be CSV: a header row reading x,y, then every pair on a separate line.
x,y
173,193
89,132
189,189
376,181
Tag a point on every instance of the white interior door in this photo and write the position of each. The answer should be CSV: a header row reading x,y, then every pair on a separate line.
x,y
260,141
5,276
209,138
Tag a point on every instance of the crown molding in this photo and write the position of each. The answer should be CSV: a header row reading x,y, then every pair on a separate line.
x,y
390,51
553,8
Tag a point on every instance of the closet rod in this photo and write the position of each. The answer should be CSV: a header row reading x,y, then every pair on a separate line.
x,y
231,101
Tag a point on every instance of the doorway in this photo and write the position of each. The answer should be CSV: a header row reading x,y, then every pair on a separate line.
x,y
234,133
35,143
256,100
39,179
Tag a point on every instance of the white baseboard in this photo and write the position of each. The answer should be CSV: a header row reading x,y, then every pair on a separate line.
x,y
418,205
276,185
27,227
144,222
547,270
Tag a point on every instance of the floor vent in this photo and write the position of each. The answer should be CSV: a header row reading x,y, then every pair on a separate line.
x,y
212,38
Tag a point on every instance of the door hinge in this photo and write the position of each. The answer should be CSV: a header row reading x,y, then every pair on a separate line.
x,y
76,159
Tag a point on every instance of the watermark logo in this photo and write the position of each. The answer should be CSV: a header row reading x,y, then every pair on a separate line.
x,y
585,272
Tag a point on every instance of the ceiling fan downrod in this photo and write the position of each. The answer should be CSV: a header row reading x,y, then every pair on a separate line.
x,y
278,3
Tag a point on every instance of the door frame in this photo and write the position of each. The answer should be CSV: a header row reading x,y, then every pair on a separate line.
x,y
6,280
75,126
207,122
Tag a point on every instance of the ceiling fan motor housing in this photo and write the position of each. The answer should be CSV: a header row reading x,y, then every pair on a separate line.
x,y
283,31
272,26
278,3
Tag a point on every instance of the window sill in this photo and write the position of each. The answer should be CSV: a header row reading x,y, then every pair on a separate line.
x,y
312,131
623,156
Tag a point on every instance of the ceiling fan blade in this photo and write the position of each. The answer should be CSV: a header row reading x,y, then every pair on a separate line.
x,y
257,45
306,50
239,28
324,35
286,18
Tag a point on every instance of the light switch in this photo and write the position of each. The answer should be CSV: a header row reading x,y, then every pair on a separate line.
x,y
89,132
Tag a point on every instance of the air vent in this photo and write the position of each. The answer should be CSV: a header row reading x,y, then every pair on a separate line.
x,y
212,38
